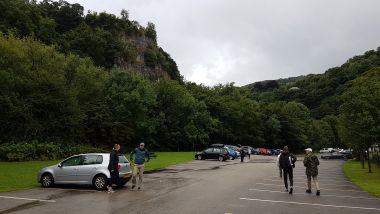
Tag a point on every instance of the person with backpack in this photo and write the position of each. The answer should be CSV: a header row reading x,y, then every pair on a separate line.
x,y
141,154
311,163
287,163
113,167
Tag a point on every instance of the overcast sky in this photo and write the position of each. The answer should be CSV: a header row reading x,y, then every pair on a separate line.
x,y
243,41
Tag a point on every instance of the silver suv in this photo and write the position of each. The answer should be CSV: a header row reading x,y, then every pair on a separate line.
x,y
88,169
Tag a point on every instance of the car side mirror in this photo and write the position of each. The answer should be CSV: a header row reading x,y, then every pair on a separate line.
x,y
60,165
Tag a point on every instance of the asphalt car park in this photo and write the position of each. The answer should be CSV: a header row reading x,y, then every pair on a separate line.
x,y
205,187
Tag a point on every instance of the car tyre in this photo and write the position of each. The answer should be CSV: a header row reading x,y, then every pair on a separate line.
x,y
47,180
221,158
100,182
199,157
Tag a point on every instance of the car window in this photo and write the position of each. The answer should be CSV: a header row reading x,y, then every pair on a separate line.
x,y
208,150
123,159
73,161
217,150
92,159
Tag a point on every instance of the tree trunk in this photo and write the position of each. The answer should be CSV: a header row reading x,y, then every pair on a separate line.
x,y
369,163
362,158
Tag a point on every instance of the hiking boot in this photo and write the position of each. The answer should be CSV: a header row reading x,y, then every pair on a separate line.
x,y
291,191
308,191
318,193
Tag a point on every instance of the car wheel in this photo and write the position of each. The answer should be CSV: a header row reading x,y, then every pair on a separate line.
x,y
100,182
221,158
47,180
199,157
233,158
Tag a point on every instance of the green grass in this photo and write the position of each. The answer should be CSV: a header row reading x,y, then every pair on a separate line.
x,y
165,159
20,175
369,182
23,175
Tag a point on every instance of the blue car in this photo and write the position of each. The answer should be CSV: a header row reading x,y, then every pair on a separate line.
x,y
231,153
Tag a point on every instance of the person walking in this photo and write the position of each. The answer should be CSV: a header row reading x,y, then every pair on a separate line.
x,y
141,154
311,163
287,163
242,154
113,167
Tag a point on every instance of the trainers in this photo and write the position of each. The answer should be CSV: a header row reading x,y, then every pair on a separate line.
x,y
110,190
308,191
133,186
318,193
291,191
286,190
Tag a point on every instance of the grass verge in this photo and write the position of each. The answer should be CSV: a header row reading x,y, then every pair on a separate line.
x,y
369,182
23,175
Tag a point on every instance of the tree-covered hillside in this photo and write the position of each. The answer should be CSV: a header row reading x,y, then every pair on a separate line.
x,y
109,41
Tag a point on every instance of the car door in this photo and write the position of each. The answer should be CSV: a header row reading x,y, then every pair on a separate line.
x,y
216,153
67,170
208,153
87,170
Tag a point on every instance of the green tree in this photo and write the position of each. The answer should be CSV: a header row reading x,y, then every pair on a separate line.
x,y
359,115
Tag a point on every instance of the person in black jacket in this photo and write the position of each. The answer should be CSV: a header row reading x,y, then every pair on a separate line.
x,y
113,167
287,162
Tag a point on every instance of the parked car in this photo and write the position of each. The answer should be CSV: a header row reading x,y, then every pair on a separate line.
x,y
336,155
237,149
256,151
232,154
275,151
248,148
263,151
326,150
89,169
220,154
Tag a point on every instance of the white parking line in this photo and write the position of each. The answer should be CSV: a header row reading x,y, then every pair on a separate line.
x,y
27,199
343,190
309,204
319,179
323,195
323,184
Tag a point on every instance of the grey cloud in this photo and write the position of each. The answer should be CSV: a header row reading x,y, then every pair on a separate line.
x,y
242,41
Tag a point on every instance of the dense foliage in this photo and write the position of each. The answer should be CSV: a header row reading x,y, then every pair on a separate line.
x,y
109,41
71,93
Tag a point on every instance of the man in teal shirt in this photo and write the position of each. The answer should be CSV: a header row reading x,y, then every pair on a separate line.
x,y
141,154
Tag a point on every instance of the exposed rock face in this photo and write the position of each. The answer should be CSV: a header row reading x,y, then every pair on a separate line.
x,y
134,58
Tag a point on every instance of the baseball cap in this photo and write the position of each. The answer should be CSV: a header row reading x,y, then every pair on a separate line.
x,y
309,149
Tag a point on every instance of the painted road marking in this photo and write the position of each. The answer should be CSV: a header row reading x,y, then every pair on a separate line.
x,y
310,204
343,190
297,182
319,179
323,195
27,199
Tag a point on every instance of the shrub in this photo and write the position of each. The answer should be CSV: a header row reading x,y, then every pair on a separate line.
x,y
35,150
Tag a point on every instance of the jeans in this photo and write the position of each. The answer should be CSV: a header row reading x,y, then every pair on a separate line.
x,y
287,172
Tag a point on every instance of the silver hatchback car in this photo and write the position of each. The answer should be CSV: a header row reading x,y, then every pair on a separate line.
x,y
88,169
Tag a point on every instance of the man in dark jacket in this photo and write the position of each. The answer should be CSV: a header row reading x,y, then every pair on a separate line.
x,y
141,154
287,162
113,167
311,163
